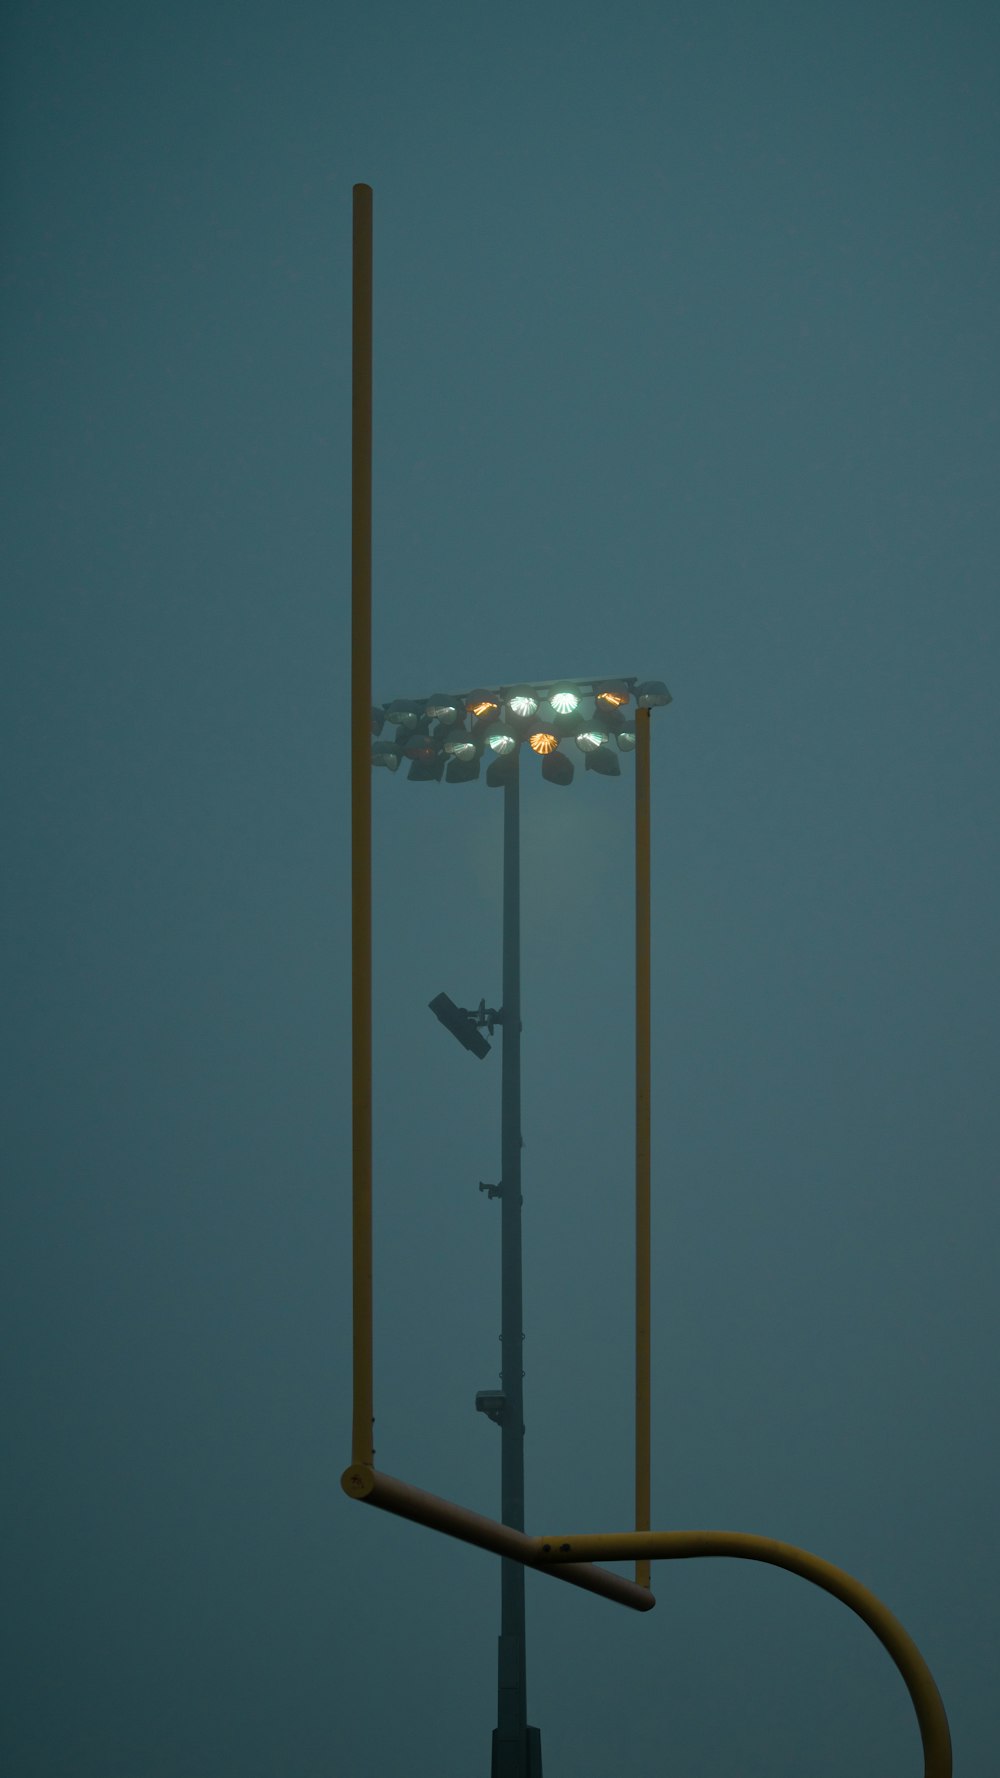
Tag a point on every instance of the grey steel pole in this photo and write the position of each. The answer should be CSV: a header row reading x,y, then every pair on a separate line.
x,y
516,1748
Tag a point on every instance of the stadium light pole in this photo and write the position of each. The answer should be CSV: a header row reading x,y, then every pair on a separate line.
x,y
445,735
517,1748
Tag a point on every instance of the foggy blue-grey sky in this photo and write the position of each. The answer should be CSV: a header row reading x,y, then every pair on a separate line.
x,y
685,367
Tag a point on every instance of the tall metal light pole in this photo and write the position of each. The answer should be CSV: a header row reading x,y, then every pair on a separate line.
x,y
517,1749
449,736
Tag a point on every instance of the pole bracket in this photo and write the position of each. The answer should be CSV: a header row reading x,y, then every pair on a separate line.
x,y
490,1016
491,1403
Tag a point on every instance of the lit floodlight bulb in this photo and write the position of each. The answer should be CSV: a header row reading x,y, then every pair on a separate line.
x,y
626,737
499,739
543,740
441,708
460,746
482,703
612,693
590,739
564,700
522,703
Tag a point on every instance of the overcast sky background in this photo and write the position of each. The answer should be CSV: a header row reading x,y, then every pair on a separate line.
x,y
685,367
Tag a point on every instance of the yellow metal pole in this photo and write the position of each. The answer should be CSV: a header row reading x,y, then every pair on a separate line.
x,y
361,1482
679,1545
362,1447
642,1094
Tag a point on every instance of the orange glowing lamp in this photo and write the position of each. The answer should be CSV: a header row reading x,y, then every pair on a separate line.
x,y
612,694
482,703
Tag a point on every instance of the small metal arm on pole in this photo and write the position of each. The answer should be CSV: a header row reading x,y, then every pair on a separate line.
x,y
490,1016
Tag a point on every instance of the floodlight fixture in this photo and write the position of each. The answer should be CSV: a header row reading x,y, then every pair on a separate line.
x,y
589,740
500,738
387,753
652,693
404,712
421,746
501,770
426,771
611,694
462,771
557,768
564,699
483,704
459,744
461,1023
522,701
441,708
604,760
453,733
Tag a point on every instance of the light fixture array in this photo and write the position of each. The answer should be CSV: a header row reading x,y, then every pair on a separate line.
x,y
448,735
